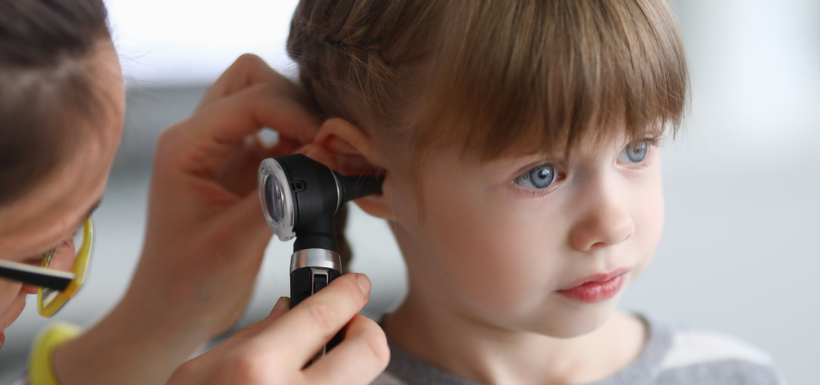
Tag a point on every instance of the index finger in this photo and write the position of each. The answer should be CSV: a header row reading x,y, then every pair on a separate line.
x,y
247,71
207,139
244,113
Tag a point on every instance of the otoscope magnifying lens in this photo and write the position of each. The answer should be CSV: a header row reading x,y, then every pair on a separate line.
x,y
276,199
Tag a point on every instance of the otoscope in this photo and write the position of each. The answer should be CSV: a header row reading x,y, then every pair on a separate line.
x,y
299,198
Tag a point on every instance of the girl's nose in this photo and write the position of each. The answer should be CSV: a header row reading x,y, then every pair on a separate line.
x,y
605,219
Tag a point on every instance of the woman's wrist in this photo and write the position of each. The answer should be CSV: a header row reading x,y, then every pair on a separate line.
x,y
40,367
136,343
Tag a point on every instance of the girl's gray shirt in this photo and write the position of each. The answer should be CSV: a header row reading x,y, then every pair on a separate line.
x,y
670,357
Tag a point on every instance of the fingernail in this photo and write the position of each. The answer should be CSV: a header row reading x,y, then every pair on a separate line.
x,y
281,307
364,283
282,303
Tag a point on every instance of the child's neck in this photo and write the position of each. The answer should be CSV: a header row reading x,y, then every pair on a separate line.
x,y
490,355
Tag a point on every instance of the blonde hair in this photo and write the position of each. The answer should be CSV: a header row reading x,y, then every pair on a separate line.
x,y
492,75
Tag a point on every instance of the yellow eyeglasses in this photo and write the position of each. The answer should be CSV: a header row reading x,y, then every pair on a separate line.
x,y
61,272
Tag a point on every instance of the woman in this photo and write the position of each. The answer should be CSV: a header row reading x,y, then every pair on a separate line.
x,y
61,118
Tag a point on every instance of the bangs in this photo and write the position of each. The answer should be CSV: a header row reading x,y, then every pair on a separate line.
x,y
539,75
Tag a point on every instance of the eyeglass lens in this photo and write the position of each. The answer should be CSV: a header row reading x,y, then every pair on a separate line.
x,y
62,258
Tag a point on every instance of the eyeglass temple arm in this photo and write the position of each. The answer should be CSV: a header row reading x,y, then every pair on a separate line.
x,y
36,276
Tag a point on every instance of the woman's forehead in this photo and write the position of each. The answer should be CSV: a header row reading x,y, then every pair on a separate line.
x,y
38,233
52,211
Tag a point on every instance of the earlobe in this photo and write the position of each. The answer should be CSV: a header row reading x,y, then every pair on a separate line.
x,y
347,149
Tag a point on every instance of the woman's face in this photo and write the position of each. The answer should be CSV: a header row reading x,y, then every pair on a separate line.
x,y
57,206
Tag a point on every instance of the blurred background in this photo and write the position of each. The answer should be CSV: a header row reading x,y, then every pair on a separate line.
x,y
740,252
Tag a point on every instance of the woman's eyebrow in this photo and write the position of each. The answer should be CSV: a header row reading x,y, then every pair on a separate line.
x,y
94,208
90,211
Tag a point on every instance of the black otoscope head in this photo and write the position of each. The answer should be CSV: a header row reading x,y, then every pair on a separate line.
x,y
300,196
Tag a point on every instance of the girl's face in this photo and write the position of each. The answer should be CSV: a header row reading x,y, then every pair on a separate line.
x,y
511,243
54,209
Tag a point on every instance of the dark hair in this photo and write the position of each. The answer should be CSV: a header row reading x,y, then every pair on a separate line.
x,y
46,85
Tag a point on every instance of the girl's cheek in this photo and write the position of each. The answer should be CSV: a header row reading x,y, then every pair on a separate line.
x,y
499,261
648,207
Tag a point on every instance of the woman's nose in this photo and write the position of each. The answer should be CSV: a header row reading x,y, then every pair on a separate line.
x,y
63,257
605,219
29,289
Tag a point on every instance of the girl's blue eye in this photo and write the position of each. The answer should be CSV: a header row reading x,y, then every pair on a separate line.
x,y
634,152
538,178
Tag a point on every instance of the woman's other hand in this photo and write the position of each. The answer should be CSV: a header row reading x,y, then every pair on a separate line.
x,y
276,349
206,233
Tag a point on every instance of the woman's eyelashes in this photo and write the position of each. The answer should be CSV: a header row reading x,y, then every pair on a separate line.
x,y
38,260
539,179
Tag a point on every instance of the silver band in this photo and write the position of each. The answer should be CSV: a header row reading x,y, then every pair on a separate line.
x,y
338,191
315,258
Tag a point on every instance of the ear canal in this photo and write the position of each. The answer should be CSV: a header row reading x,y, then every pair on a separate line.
x,y
353,188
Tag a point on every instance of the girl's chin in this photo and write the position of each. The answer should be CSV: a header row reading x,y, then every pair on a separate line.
x,y
576,323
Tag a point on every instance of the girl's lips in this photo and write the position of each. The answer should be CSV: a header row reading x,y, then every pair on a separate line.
x,y
596,288
2,337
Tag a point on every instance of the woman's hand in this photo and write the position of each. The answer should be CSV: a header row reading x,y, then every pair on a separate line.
x,y
276,349
206,233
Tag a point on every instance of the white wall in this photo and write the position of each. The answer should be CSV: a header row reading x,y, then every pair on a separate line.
x,y
192,41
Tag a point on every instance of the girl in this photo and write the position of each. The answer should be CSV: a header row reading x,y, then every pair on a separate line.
x,y
519,144
61,119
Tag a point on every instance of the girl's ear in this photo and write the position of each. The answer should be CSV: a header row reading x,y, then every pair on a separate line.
x,y
350,151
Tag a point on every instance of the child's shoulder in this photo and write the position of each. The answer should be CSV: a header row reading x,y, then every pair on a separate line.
x,y
696,356
672,356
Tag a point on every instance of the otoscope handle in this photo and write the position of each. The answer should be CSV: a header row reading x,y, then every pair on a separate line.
x,y
312,270
307,281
